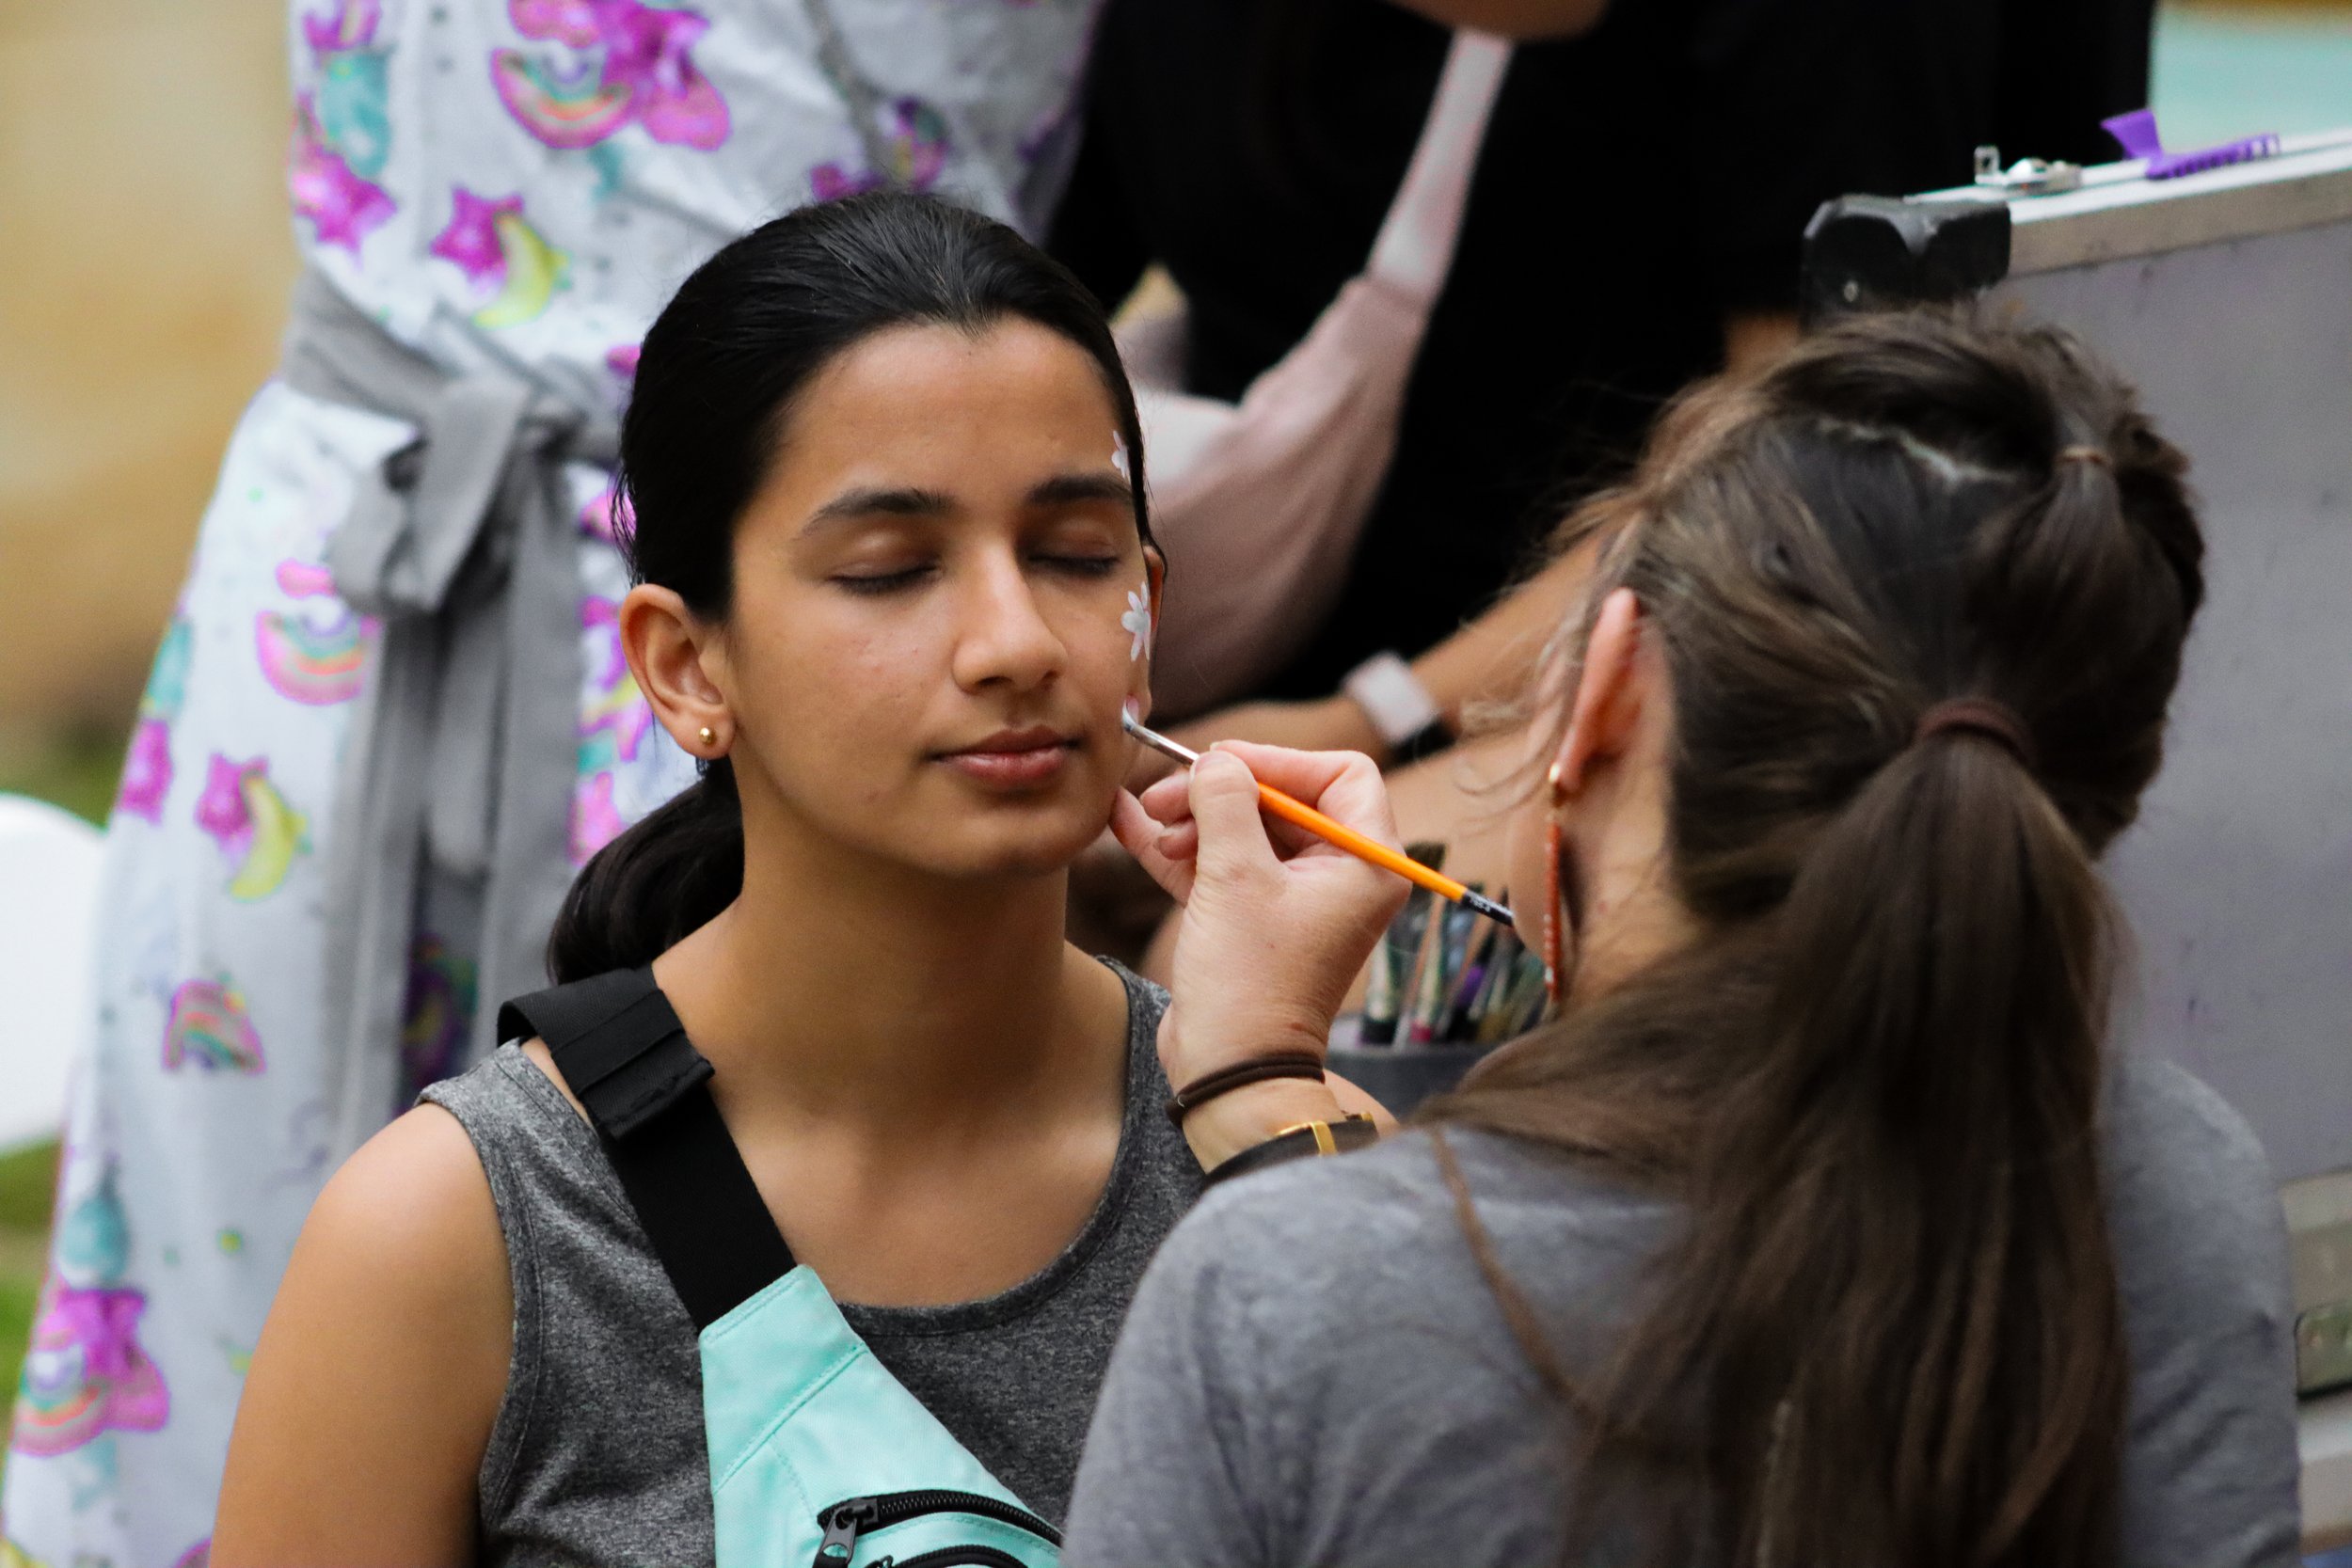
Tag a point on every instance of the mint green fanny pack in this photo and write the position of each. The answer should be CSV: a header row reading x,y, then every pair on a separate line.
x,y
819,1458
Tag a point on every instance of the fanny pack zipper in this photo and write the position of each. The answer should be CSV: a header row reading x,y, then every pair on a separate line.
x,y
844,1522
955,1557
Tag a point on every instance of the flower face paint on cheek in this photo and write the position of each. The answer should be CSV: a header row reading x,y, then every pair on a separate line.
x,y
1137,621
1138,617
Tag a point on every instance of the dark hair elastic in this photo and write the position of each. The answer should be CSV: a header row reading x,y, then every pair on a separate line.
x,y
1256,1070
1982,715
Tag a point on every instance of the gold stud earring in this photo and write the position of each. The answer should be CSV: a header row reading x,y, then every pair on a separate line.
x,y
705,737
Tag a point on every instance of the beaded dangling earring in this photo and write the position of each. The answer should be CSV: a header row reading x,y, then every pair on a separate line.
x,y
1552,961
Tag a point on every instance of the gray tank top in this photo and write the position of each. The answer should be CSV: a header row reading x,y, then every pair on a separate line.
x,y
597,1456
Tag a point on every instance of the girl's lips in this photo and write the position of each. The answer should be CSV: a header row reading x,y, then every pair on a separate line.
x,y
1024,768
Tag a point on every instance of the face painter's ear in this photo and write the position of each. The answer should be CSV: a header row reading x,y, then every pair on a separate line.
x,y
1607,695
682,666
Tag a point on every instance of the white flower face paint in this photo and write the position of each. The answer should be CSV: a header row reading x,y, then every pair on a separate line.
x,y
1118,456
1137,620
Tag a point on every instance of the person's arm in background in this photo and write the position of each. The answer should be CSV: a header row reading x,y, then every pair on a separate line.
x,y
1482,662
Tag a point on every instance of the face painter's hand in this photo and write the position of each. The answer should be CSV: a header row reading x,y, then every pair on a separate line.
x,y
1275,922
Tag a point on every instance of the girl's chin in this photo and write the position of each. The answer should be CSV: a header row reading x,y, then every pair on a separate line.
x,y
1026,849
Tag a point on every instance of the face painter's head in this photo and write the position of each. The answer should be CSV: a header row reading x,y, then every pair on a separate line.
x,y
1875,665
894,569
1903,510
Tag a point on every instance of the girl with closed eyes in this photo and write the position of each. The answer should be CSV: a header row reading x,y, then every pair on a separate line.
x,y
894,587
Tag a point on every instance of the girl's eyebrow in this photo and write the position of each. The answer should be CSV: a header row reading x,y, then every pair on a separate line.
x,y
903,502
1065,489
913,501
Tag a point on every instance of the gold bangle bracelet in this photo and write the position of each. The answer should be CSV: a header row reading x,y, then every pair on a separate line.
x,y
1324,1142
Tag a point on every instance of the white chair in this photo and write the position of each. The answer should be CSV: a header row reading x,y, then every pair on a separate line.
x,y
49,870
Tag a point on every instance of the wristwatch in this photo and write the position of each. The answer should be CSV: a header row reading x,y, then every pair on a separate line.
x,y
1403,713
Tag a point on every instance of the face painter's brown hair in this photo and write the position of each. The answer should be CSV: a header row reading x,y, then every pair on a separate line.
x,y
1890,1333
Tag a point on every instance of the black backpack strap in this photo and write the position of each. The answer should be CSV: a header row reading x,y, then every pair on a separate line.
x,y
647,1090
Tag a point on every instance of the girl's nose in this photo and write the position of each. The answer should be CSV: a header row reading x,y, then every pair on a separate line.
x,y
1005,638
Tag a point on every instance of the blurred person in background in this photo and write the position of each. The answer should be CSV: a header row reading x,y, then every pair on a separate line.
x,y
1634,222
389,716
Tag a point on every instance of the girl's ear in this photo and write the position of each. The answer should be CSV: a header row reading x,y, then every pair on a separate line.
x,y
680,664
1154,580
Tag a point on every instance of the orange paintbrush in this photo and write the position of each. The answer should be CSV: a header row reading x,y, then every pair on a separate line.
x,y
1337,833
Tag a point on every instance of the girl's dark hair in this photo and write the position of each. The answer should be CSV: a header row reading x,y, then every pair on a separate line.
x,y
1890,1332
716,382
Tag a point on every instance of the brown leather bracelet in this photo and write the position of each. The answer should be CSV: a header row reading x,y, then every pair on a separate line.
x,y
1256,1070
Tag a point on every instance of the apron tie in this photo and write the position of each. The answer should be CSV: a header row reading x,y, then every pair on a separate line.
x,y
460,548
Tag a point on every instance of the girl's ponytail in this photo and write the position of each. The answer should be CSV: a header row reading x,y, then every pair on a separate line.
x,y
659,880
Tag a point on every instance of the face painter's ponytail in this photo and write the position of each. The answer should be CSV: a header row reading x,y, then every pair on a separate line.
x,y
1921,588
716,382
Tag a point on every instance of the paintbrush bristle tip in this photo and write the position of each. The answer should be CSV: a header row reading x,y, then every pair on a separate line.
x,y
1157,741
1487,907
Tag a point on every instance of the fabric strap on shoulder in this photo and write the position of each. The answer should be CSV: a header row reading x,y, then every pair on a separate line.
x,y
647,1090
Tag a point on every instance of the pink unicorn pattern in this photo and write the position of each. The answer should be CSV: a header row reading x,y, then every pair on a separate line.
x,y
644,74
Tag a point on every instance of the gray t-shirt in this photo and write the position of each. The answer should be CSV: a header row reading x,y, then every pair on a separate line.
x,y
1315,1371
597,1456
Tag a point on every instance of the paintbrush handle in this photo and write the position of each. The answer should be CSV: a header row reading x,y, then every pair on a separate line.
x,y
1357,845
1347,838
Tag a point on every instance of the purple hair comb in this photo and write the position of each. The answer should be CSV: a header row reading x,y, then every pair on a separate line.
x,y
2136,133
